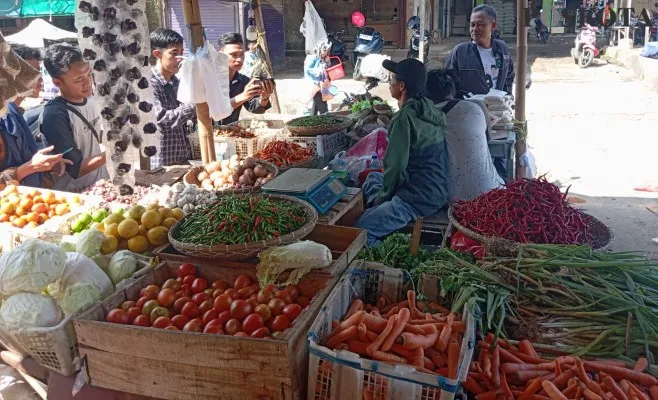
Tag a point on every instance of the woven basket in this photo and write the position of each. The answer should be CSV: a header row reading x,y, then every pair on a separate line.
x,y
310,163
603,237
318,130
190,178
248,250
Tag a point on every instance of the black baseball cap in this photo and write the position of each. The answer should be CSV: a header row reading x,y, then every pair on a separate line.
x,y
410,71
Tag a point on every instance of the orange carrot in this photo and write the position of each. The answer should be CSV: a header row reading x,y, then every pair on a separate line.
x,y
439,307
558,369
418,359
589,395
525,376
580,371
375,313
622,373
654,392
626,387
486,362
375,323
353,320
553,392
412,341
561,380
388,357
506,389
382,336
571,390
472,386
372,336
612,386
509,368
363,332
526,348
356,305
403,317
641,364
533,387
490,395
506,356
495,366
392,312
415,329
453,359
402,304
428,364
442,343
519,395
637,392
596,388
579,393
438,360
358,347
415,313
402,352
342,336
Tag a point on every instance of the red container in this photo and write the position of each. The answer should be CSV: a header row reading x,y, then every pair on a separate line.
x,y
337,71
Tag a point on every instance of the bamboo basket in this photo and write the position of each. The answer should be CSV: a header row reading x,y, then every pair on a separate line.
x,y
244,251
190,178
318,130
505,247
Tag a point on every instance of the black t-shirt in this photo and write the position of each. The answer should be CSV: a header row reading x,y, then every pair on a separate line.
x,y
237,85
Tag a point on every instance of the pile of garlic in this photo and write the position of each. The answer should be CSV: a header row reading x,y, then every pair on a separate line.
x,y
189,197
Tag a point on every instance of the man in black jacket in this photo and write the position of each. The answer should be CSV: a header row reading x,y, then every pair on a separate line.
x,y
483,63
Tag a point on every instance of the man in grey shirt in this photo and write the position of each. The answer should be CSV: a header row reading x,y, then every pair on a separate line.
x,y
71,121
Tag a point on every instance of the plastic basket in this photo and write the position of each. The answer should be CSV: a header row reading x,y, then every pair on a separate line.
x,y
226,146
334,375
263,126
195,144
337,71
324,145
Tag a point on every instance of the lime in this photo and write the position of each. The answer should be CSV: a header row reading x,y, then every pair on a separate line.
x,y
99,215
118,210
78,226
85,219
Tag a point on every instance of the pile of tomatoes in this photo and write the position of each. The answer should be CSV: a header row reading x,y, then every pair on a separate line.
x,y
190,303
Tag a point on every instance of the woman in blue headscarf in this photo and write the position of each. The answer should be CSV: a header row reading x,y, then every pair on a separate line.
x,y
315,72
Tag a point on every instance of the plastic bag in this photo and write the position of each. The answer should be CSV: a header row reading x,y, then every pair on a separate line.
x,y
650,50
375,142
190,89
312,28
220,107
528,165
464,244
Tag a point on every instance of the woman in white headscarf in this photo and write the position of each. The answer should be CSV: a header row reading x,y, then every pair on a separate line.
x,y
315,73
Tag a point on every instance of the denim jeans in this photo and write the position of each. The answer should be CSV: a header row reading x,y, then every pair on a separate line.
x,y
384,218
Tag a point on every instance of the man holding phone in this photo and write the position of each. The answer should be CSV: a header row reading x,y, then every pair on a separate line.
x,y
252,94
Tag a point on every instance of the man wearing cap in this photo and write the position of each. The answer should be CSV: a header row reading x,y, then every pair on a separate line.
x,y
483,63
415,178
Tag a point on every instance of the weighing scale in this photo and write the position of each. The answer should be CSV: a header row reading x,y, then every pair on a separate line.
x,y
316,186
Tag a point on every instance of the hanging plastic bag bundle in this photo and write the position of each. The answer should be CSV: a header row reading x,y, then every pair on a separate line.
x,y
312,28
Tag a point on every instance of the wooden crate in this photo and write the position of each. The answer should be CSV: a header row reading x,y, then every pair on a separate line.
x,y
344,242
348,209
181,365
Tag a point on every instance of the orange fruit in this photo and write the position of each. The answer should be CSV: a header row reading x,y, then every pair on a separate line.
x,y
43,217
62,209
39,208
19,222
20,211
4,217
49,197
26,203
37,199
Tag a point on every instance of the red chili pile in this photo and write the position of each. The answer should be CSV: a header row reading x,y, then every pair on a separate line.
x,y
285,154
525,211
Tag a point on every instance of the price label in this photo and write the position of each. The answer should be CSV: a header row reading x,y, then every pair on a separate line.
x,y
365,37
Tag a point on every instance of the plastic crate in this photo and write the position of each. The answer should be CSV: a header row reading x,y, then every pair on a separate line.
x,y
195,144
324,145
334,375
273,126
225,147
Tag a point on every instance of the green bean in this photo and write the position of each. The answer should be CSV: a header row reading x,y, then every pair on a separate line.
x,y
315,120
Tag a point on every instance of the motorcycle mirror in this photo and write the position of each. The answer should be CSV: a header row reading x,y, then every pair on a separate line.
x,y
413,23
541,11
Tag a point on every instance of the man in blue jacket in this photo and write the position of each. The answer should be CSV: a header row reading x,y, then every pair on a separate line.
x,y
483,63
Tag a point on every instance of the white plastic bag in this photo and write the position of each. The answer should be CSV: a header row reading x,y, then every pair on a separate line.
x,y
312,28
220,103
528,165
190,88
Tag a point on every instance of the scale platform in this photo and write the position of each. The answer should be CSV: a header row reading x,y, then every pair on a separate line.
x,y
316,186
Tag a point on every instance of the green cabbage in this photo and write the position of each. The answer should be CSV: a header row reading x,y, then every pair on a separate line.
x,y
67,246
89,242
122,266
301,257
28,310
30,267
78,296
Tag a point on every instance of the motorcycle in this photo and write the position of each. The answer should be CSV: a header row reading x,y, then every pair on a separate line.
x,y
584,50
367,42
541,30
414,41
337,44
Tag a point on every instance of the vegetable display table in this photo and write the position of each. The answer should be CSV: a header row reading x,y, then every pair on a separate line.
x,y
346,211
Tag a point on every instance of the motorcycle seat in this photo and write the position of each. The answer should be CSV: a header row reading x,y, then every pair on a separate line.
x,y
366,30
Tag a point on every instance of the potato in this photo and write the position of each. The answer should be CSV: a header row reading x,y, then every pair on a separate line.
x,y
238,169
249,162
235,178
203,175
212,167
260,171
206,182
215,175
250,173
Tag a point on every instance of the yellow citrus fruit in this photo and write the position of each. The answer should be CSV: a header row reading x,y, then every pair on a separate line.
x,y
115,218
112,230
151,219
169,222
109,245
98,226
178,213
142,230
136,212
157,235
138,244
152,207
128,228
165,213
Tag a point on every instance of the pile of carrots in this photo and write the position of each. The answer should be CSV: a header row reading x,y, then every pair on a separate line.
x,y
400,333
503,371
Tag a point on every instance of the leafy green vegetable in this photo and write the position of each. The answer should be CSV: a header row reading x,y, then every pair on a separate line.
x,y
365,104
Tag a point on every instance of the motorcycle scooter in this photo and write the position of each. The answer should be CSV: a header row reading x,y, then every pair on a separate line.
x,y
337,44
541,30
584,50
414,42
367,42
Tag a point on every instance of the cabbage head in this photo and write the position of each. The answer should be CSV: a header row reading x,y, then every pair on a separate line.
x,y
122,266
89,242
102,260
30,267
67,246
28,310
78,296
80,269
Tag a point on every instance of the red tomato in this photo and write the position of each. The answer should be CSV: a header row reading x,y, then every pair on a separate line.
x,y
216,329
233,326
186,289
241,334
127,305
190,310
180,294
260,333
159,312
254,303
142,291
303,301
172,328
161,322
205,306
215,321
166,297
150,306
264,311
200,298
151,292
242,281
222,303
178,304
188,280
292,311
216,293
142,300
171,283
293,290
199,285
186,270
252,322
276,306
209,292
280,323
220,285
264,296
118,316
224,316
231,292
240,309
208,316
142,320
133,313
246,292
180,320
179,280
193,326
285,296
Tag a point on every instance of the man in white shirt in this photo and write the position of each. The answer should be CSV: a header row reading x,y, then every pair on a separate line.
x,y
483,63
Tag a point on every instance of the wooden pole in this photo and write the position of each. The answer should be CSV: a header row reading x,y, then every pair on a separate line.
x,y
192,16
522,62
260,26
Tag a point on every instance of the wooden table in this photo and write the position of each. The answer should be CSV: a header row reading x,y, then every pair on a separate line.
x,y
348,209
161,176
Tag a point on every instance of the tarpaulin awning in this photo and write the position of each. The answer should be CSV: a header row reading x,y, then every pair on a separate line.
x,y
38,30
10,8
38,8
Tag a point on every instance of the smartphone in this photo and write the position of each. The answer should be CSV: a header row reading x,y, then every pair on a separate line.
x,y
67,150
